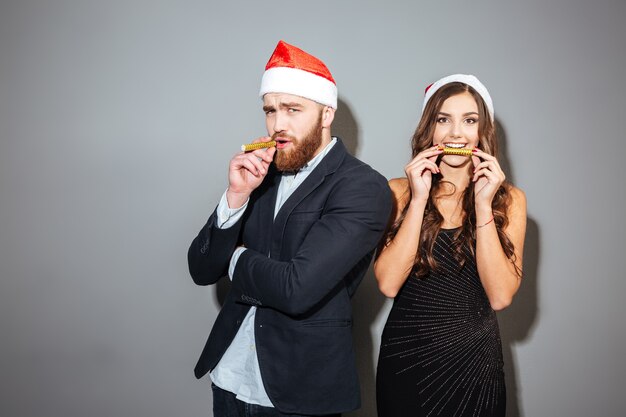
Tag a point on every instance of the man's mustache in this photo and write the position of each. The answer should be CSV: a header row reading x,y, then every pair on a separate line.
x,y
283,135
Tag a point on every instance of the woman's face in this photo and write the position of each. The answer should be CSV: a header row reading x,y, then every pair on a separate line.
x,y
457,126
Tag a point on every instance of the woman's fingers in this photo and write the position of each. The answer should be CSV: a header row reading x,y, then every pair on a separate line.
x,y
492,167
434,150
484,173
486,164
417,167
428,155
475,161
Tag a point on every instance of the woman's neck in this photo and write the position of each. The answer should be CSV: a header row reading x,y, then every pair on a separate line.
x,y
449,198
459,177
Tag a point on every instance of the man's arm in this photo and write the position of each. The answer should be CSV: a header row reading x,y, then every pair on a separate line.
x,y
210,252
355,217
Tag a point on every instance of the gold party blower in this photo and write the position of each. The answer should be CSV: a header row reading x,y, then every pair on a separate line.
x,y
456,151
259,145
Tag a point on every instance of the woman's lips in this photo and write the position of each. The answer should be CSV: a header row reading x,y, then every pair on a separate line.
x,y
455,145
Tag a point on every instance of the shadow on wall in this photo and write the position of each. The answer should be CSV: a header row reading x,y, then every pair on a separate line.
x,y
345,127
366,306
517,321
368,301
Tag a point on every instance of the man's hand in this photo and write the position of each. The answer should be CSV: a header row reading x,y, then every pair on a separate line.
x,y
246,172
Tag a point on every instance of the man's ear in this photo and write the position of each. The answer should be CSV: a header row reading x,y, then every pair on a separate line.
x,y
328,115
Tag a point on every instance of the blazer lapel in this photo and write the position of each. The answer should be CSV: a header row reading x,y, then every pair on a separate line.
x,y
264,208
326,166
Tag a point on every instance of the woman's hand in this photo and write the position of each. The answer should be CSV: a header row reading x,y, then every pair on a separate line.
x,y
419,172
488,177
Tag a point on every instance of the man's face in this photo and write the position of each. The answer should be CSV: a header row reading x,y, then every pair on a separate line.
x,y
295,123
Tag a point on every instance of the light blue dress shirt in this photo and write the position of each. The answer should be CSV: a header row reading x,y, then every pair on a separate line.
x,y
238,370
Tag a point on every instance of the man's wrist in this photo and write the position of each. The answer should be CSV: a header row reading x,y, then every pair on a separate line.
x,y
235,199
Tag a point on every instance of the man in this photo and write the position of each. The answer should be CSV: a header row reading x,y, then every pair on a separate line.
x,y
295,232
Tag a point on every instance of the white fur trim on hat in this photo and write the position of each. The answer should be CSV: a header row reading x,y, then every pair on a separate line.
x,y
299,83
465,79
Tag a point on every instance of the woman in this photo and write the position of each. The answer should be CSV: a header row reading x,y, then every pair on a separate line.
x,y
452,255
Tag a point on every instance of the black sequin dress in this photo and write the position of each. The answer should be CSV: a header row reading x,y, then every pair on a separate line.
x,y
441,353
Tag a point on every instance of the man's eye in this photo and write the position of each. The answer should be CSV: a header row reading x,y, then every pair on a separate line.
x,y
268,112
292,110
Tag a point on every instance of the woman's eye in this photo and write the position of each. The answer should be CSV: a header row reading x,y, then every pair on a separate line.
x,y
471,121
442,119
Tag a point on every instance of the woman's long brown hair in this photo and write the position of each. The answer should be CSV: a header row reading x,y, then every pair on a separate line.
x,y
465,237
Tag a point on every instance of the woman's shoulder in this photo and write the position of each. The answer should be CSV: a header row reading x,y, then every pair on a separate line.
x,y
517,195
401,192
400,188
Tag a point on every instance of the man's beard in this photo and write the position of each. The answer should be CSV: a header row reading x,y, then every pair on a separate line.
x,y
302,150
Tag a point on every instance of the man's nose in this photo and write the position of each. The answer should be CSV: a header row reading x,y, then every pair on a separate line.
x,y
280,123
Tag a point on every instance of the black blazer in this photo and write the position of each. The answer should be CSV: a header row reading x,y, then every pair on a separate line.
x,y
320,245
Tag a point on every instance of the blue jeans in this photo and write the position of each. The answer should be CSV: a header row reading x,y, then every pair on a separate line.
x,y
225,404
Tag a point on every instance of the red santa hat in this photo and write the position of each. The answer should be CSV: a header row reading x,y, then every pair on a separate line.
x,y
290,70
470,80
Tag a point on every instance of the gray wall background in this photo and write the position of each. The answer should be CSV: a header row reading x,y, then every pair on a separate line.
x,y
117,121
